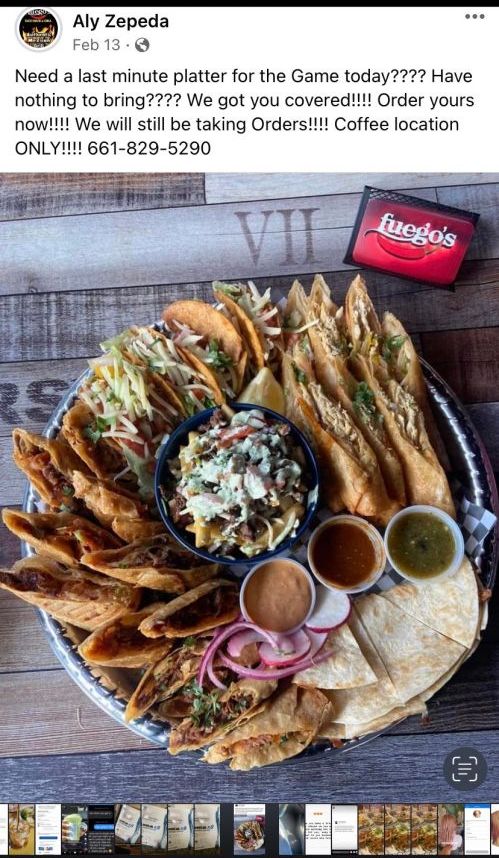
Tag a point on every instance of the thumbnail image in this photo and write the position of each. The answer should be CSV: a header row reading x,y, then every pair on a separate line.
x,y
180,828
21,829
154,828
397,829
74,829
101,829
207,828
424,829
249,829
317,829
450,829
291,829
494,829
477,829
47,829
127,829
344,829
371,829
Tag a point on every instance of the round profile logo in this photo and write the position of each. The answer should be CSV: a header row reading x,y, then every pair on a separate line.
x,y
38,29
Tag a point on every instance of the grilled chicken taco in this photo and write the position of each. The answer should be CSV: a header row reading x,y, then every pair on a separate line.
x,y
157,562
61,535
217,712
425,479
49,464
106,500
257,320
331,350
71,595
205,334
214,603
119,643
166,676
285,727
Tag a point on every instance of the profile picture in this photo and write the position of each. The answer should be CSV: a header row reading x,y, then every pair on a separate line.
x,y
38,28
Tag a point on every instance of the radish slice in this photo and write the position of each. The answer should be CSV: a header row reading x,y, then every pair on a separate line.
x,y
274,657
317,641
332,609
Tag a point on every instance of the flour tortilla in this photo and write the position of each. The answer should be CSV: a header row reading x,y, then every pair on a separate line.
x,y
448,605
414,655
347,667
364,703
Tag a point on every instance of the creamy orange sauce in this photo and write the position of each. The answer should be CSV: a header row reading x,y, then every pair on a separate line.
x,y
277,597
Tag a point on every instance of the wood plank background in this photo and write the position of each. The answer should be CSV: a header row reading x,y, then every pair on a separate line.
x,y
83,256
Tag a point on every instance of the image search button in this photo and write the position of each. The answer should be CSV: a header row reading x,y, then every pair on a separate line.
x,y
465,768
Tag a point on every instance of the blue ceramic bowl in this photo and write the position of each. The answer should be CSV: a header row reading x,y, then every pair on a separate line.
x,y
164,478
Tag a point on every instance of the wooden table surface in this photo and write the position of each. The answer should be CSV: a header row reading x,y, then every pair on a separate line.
x,y
83,256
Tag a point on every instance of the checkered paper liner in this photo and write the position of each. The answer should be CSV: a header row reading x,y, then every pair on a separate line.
x,y
475,523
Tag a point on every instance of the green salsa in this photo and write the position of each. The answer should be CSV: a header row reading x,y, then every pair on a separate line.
x,y
421,545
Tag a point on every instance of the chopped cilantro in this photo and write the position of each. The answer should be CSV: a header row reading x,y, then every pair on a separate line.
x,y
363,402
190,641
190,405
284,738
218,358
208,402
299,374
68,490
92,433
205,705
392,345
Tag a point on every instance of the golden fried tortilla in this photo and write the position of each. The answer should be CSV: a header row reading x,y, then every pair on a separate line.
x,y
212,604
119,643
49,464
106,500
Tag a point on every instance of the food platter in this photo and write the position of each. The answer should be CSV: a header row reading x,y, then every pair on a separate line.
x,y
470,465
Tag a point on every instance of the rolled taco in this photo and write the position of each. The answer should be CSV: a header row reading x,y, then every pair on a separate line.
x,y
258,321
285,727
70,594
205,334
181,704
425,479
49,464
61,535
331,350
156,562
119,643
166,676
218,712
212,604
106,500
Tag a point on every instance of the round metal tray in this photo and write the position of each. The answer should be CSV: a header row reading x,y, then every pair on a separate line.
x,y
470,465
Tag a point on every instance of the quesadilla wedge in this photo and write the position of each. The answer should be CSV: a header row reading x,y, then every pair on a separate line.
x,y
157,562
425,479
119,643
106,500
49,464
331,350
212,604
346,668
447,605
166,676
414,655
217,712
337,730
71,595
286,726
256,319
198,329
61,535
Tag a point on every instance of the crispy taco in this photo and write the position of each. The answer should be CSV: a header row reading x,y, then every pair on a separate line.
x,y
285,727
102,456
119,643
150,348
106,500
133,529
257,319
186,700
331,349
61,535
425,479
156,562
49,464
201,331
214,603
217,712
166,676
71,595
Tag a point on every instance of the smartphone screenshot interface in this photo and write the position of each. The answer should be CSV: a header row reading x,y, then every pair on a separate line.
x,y
249,829
48,829
317,829
4,829
477,829
100,829
344,829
